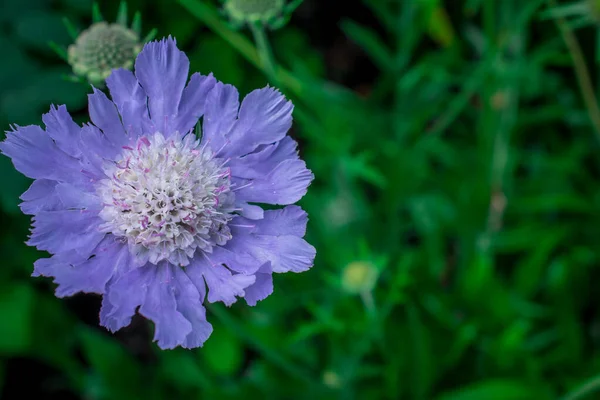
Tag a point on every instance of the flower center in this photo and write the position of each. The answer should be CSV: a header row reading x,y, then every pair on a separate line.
x,y
167,197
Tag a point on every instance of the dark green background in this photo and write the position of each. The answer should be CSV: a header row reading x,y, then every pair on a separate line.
x,y
452,152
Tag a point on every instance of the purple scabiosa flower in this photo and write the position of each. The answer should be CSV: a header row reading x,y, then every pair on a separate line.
x,y
134,207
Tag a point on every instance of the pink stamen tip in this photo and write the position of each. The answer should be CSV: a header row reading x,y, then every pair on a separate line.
x,y
128,148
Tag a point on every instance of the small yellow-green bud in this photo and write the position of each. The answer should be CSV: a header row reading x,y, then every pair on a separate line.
x,y
101,48
252,11
332,379
359,277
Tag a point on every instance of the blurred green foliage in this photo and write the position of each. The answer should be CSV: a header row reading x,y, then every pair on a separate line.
x,y
462,166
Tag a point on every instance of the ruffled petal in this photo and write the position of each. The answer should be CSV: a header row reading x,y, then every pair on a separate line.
x,y
222,284
65,230
105,116
290,220
74,198
34,154
276,239
286,184
264,160
123,295
75,274
131,101
162,70
220,114
61,127
193,99
189,300
286,253
234,260
165,295
262,288
170,327
95,149
265,117
41,196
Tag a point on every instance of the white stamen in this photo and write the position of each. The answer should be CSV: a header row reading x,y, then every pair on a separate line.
x,y
168,198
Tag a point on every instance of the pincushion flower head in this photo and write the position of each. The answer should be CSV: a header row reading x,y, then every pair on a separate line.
x,y
135,207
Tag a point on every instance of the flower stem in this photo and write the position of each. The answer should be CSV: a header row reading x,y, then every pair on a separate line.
x,y
581,71
208,15
586,389
264,51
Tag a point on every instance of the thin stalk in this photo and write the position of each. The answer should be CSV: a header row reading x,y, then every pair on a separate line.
x,y
589,387
209,16
264,51
581,71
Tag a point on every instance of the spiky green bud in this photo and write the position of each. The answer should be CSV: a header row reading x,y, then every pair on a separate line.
x,y
101,48
252,11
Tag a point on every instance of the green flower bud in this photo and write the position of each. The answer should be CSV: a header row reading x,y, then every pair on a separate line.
x,y
101,48
253,11
359,277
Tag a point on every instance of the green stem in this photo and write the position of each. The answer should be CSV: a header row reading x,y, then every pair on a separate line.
x,y
587,388
264,51
267,351
209,16
581,71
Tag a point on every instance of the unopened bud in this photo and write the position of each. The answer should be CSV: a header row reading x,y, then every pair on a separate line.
x,y
359,277
101,48
254,10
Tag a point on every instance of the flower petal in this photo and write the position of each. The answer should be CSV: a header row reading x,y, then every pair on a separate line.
x,y
262,288
285,184
123,295
234,260
193,100
41,196
222,284
220,114
61,127
290,220
189,303
286,252
72,197
75,274
263,161
65,230
160,306
105,116
265,117
162,70
95,149
131,101
35,155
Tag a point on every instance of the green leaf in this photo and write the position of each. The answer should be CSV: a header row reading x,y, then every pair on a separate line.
x,y
136,25
183,370
96,14
370,43
496,389
115,374
122,14
13,186
35,28
16,308
223,352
